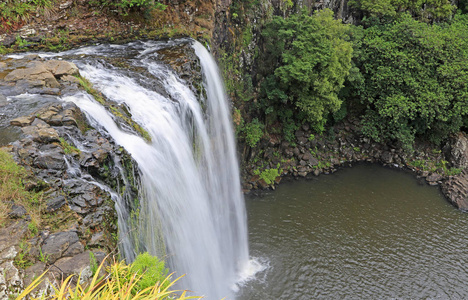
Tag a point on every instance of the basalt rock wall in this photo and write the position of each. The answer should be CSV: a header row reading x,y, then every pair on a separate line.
x,y
72,166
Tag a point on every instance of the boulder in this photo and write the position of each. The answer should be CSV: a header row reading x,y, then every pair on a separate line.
x,y
387,157
55,201
33,272
57,244
79,265
22,121
310,159
50,158
41,134
17,211
35,74
434,177
60,68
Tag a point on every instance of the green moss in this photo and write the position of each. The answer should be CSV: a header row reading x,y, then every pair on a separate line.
x,y
67,148
114,109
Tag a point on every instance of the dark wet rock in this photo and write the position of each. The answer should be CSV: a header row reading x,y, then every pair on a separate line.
x,y
17,211
51,158
310,159
84,197
57,244
8,40
387,157
456,190
459,150
263,184
55,201
74,249
434,177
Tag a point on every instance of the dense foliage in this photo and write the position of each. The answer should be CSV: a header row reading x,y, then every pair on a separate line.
x,y
414,79
306,59
422,9
405,77
14,12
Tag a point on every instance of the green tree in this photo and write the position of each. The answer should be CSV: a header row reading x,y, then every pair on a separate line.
x,y
306,59
415,79
422,9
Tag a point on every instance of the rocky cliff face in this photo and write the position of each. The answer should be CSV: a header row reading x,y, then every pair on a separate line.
x,y
72,166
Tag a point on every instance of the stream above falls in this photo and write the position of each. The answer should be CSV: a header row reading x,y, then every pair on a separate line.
x,y
366,232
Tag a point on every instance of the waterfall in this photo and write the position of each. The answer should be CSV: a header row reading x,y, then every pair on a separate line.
x,y
191,207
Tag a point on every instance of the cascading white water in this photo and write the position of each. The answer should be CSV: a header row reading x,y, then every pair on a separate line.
x,y
190,189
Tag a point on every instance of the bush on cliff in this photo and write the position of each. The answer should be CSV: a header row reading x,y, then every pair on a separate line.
x,y
306,61
425,10
414,79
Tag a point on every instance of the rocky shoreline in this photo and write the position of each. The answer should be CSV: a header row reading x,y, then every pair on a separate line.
x,y
313,155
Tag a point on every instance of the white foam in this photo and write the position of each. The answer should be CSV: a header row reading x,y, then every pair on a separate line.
x,y
250,271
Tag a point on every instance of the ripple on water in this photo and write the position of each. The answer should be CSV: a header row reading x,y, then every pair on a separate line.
x,y
363,233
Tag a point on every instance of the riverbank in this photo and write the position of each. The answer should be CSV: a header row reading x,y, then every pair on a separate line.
x,y
345,145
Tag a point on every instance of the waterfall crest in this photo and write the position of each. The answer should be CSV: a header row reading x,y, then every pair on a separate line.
x,y
191,206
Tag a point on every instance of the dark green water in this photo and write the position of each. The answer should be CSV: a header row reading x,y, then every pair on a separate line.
x,y
365,232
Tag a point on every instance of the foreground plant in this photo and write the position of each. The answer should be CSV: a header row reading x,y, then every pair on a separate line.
x,y
118,284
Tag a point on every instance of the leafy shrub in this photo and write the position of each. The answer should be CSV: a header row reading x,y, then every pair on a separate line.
x,y
421,9
151,269
269,175
253,132
415,79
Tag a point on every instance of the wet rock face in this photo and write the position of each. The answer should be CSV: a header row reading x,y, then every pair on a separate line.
x,y
456,190
456,187
459,150
185,63
66,159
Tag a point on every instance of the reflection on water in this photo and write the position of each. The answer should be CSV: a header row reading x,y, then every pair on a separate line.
x,y
365,232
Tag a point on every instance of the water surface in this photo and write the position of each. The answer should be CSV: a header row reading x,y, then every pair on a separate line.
x,y
365,232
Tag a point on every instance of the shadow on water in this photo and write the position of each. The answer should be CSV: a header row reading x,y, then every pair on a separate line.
x,y
365,232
